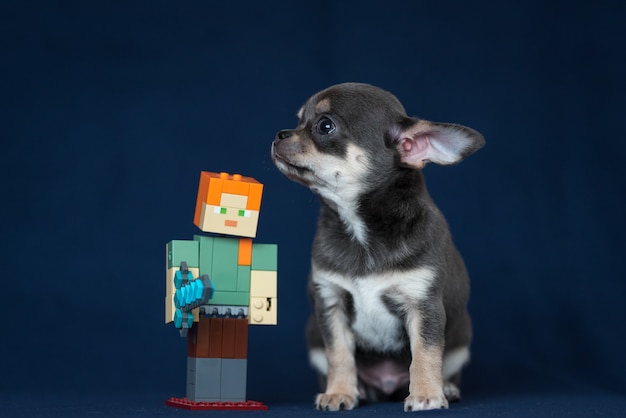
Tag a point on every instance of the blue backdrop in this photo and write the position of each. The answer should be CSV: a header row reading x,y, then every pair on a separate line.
x,y
110,110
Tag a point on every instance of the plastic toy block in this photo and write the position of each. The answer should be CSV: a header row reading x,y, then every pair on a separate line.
x,y
221,311
248,225
265,257
216,187
179,250
245,252
243,278
169,308
263,284
230,298
194,293
205,253
254,196
233,201
224,269
213,185
183,403
263,311
234,378
241,338
218,338
183,321
215,337
194,314
236,187
229,223
170,290
210,223
204,379
209,191
169,280
228,337
182,276
198,339
211,216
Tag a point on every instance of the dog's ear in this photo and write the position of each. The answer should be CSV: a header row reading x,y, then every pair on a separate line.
x,y
420,142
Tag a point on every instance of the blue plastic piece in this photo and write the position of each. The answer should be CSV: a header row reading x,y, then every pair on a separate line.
x,y
178,318
198,289
178,279
181,317
193,293
185,295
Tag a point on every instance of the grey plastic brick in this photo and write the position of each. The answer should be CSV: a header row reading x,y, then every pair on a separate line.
x,y
203,379
234,377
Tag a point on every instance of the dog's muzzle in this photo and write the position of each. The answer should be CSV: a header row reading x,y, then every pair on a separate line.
x,y
285,150
281,150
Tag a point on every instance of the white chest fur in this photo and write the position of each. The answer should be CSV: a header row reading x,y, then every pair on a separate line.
x,y
374,325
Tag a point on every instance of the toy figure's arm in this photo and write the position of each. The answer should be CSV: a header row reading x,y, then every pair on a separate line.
x,y
263,285
263,298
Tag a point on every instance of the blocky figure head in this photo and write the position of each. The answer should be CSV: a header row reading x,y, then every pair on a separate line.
x,y
228,204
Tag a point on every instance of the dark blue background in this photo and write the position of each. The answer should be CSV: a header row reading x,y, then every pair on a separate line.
x,y
111,109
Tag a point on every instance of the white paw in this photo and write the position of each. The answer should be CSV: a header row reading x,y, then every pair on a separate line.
x,y
335,401
425,402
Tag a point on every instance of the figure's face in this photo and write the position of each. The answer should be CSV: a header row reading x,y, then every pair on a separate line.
x,y
228,204
230,217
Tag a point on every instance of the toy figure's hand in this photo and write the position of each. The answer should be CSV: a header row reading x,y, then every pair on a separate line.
x,y
194,293
190,293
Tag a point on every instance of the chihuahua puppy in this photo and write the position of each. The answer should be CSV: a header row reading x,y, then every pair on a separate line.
x,y
389,289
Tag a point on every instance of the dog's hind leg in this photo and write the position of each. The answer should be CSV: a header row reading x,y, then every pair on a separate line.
x,y
453,362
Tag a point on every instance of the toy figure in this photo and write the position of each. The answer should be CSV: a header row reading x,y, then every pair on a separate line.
x,y
218,285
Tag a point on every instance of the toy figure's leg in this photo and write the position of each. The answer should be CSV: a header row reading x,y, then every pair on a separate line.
x,y
203,383
204,362
217,360
216,366
234,364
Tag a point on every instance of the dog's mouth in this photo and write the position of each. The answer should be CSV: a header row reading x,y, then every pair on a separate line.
x,y
293,171
281,161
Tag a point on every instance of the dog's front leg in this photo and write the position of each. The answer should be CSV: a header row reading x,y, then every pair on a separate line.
x,y
425,327
341,388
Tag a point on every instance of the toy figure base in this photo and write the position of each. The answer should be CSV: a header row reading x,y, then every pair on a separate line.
x,y
185,403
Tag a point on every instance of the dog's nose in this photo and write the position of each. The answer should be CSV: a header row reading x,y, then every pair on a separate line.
x,y
285,133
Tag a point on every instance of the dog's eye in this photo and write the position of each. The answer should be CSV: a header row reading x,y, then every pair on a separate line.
x,y
325,126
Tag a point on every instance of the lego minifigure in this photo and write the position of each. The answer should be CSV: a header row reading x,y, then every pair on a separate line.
x,y
216,286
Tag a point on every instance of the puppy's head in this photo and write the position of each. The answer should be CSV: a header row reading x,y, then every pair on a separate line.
x,y
354,137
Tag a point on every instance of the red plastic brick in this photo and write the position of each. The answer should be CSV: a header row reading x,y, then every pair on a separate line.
x,y
184,403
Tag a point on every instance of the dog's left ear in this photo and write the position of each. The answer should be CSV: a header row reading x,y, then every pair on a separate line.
x,y
420,142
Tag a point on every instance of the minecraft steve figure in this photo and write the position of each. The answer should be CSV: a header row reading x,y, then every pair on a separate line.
x,y
216,286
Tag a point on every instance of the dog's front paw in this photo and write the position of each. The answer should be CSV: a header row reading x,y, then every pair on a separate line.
x,y
424,402
335,401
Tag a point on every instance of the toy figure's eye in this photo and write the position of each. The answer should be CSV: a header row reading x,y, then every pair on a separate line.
x,y
220,210
325,126
245,213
